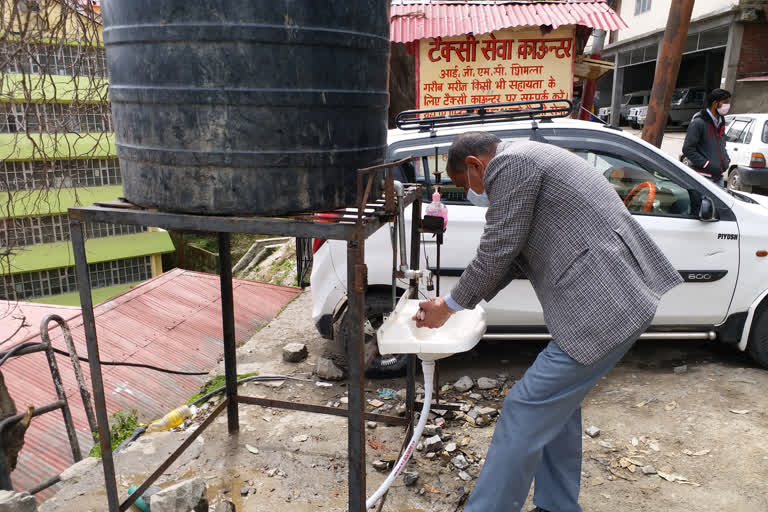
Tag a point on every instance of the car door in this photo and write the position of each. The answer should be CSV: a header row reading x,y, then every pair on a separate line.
x,y
735,135
705,253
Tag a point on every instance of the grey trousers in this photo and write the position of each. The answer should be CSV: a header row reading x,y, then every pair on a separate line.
x,y
539,435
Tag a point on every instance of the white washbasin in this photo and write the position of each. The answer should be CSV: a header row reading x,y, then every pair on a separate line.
x,y
399,334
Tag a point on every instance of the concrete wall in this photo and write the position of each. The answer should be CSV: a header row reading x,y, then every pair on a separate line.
x,y
200,260
750,97
656,18
189,257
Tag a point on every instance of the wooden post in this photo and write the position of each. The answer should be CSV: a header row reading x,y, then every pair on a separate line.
x,y
667,68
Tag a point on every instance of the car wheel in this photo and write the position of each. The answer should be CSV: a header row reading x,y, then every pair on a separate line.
x,y
734,182
758,337
377,304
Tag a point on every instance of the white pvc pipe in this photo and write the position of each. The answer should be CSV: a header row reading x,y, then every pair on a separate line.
x,y
429,372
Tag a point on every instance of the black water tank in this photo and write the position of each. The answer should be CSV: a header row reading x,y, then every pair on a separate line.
x,y
247,106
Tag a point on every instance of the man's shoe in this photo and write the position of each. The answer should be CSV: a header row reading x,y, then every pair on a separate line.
x,y
539,509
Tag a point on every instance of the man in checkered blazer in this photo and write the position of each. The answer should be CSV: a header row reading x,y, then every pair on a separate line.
x,y
555,220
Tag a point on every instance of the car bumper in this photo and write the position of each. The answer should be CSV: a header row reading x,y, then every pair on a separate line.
x,y
753,176
328,289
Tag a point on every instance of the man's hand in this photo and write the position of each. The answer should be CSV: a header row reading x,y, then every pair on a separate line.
x,y
433,313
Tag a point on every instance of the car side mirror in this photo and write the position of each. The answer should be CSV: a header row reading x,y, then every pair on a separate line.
x,y
708,212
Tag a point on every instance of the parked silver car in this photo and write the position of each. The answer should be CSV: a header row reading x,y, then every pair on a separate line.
x,y
686,101
630,100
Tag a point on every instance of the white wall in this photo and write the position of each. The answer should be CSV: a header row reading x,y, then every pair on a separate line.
x,y
656,17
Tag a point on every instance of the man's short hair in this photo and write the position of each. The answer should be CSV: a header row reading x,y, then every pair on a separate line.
x,y
469,143
717,95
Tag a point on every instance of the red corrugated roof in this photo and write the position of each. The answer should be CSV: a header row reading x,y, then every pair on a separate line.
x,y
20,320
172,321
412,20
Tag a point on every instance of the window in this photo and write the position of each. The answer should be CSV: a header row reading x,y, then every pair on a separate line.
x,y
636,100
57,174
765,132
746,135
52,59
450,193
63,280
644,189
414,171
642,6
736,131
11,118
55,118
26,231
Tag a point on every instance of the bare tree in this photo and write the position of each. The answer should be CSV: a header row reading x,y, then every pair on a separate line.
x,y
54,118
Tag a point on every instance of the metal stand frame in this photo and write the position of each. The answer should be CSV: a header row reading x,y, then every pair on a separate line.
x,y
350,225
61,404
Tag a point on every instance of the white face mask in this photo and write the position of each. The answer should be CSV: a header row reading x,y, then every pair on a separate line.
x,y
475,198
723,109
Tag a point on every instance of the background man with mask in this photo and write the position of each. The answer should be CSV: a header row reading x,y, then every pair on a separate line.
x,y
704,145
555,220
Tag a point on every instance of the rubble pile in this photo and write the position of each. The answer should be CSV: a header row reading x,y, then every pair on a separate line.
x,y
447,438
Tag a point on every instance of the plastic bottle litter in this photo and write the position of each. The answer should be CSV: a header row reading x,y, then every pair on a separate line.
x,y
438,209
173,419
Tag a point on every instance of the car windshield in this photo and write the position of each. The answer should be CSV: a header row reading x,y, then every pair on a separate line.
x,y
678,95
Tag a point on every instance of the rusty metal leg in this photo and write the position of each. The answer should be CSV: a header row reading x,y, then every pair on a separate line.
x,y
5,475
89,325
65,412
414,294
228,326
85,395
355,349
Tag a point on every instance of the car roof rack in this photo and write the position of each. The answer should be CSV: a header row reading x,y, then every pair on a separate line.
x,y
544,110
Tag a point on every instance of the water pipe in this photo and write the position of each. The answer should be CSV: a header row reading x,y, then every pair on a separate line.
x,y
429,371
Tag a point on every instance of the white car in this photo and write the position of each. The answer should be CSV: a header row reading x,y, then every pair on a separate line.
x,y
747,143
717,239
637,116
630,101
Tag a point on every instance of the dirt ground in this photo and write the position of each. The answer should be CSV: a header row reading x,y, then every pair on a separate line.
x,y
706,429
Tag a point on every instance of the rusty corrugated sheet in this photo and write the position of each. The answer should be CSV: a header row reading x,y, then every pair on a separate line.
x,y
412,19
20,320
172,321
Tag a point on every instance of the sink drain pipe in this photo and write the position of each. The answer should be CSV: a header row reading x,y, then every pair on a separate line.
x,y
428,368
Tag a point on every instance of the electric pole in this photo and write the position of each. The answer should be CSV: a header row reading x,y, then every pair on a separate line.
x,y
667,68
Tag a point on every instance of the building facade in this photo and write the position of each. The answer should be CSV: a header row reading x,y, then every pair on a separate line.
x,y
57,150
725,48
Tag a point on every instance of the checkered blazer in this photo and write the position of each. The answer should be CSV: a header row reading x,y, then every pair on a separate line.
x,y
557,221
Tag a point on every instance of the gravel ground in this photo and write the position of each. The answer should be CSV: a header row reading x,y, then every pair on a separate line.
x,y
704,428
